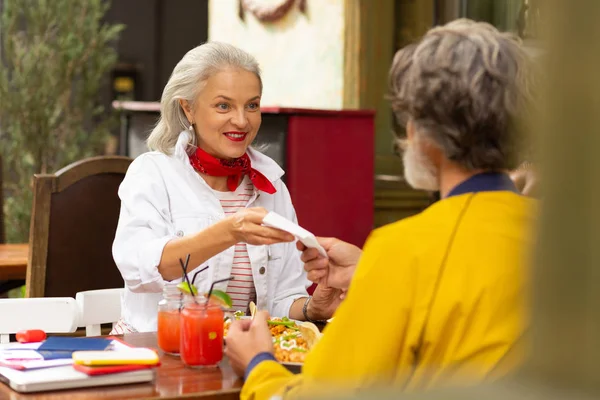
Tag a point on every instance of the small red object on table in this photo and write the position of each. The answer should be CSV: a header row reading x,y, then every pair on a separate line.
x,y
31,336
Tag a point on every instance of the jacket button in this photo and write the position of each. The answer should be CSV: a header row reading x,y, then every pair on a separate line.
x,y
262,270
180,233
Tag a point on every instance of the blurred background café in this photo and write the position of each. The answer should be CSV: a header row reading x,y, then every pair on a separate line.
x,y
77,105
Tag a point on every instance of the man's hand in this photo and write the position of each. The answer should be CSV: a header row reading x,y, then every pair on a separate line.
x,y
247,338
337,270
324,302
526,180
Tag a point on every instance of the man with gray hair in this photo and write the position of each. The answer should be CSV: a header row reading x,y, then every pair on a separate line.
x,y
439,298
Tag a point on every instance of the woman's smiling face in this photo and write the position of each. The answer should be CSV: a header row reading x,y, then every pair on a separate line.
x,y
226,114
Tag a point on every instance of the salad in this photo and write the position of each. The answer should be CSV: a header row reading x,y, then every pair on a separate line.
x,y
291,340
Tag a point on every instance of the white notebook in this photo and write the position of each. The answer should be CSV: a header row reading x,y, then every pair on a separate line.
x,y
67,377
275,220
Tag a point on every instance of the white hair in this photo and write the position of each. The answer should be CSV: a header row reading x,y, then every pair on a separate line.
x,y
195,67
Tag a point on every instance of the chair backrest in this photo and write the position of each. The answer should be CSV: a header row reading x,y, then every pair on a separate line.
x,y
2,237
88,309
73,223
52,315
98,307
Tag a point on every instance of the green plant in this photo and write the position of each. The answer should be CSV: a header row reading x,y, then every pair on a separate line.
x,y
56,55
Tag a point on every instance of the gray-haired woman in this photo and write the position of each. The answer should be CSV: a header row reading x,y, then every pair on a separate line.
x,y
204,191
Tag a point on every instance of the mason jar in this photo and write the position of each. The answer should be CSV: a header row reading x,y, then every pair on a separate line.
x,y
169,310
201,333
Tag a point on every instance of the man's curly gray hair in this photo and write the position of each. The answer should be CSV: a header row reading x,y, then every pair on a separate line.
x,y
466,87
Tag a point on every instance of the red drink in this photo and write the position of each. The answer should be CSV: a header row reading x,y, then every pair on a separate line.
x,y
201,334
169,331
168,319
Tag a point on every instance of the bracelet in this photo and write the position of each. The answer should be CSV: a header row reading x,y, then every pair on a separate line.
x,y
304,311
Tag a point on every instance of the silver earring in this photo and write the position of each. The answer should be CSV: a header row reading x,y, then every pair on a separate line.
x,y
191,128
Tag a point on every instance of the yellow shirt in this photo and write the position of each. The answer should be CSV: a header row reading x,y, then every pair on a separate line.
x,y
437,299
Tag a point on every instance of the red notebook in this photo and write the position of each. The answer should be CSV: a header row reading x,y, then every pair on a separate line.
x,y
109,369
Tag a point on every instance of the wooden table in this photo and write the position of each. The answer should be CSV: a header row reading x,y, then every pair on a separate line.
x,y
173,381
13,266
13,261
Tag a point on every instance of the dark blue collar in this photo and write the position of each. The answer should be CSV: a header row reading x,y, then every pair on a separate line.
x,y
485,182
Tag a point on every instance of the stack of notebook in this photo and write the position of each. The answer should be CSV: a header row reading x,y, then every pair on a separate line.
x,y
64,362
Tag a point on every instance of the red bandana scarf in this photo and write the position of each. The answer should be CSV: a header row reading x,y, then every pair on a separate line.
x,y
234,170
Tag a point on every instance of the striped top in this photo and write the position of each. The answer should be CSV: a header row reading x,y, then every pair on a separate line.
x,y
241,289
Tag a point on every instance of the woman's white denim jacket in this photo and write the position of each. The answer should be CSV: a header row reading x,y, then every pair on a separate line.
x,y
162,198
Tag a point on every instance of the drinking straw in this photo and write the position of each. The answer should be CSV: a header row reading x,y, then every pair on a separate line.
x,y
184,267
197,272
212,287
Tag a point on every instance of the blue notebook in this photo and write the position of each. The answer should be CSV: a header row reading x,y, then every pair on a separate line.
x,y
56,347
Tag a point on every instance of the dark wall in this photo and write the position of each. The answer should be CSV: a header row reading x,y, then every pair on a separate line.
x,y
184,26
158,34
138,42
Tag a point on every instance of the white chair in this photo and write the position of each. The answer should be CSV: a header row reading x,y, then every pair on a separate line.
x,y
89,309
52,314
98,307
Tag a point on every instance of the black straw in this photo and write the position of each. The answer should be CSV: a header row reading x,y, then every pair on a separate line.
x,y
197,272
184,267
187,261
212,287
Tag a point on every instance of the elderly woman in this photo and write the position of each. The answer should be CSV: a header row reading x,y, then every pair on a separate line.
x,y
439,298
204,191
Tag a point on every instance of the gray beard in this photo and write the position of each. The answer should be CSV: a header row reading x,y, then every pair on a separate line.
x,y
419,172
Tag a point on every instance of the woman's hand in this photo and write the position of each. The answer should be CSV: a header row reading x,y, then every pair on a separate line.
x,y
246,227
243,226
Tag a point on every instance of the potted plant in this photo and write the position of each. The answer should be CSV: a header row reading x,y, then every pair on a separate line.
x,y
56,55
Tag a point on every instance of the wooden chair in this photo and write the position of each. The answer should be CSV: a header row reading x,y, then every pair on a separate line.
x,y
73,223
